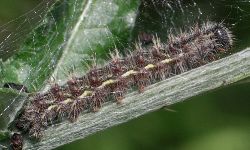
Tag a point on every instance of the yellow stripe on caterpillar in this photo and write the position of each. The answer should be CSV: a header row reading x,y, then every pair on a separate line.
x,y
149,66
130,72
51,107
85,93
166,61
67,101
110,81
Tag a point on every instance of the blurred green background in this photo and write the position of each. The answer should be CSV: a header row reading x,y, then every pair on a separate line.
x,y
218,120
11,9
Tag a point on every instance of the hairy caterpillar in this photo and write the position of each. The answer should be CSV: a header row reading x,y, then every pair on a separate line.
x,y
140,68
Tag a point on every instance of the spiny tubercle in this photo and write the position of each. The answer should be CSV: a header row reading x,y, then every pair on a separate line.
x,y
140,68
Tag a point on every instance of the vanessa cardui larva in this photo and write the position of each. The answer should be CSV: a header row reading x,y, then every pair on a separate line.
x,y
140,68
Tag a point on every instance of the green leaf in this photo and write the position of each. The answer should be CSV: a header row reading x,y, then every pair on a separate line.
x,y
70,33
11,102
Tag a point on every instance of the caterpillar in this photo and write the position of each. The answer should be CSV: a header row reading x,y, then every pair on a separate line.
x,y
142,67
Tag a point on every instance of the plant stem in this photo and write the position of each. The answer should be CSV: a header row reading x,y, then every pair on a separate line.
x,y
170,91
